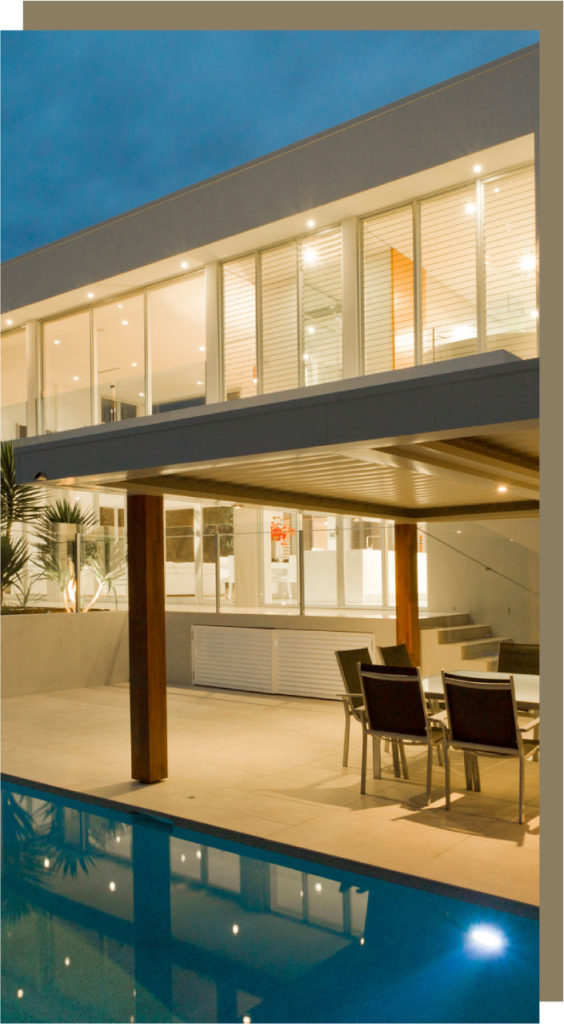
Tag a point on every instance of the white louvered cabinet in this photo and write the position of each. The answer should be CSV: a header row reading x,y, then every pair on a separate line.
x,y
286,661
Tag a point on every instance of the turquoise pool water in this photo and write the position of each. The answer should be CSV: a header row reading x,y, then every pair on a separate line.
x,y
116,916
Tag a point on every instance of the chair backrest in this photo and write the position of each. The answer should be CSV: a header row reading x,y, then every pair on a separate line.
x,y
481,712
396,656
349,663
394,700
520,658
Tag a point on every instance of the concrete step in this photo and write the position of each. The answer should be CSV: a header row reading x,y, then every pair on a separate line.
x,y
459,634
485,648
446,619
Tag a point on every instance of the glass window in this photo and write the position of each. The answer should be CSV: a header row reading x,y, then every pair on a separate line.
x,y
66,359
280,557
279,313
448,275
320,559
14,385
363,544
321,314
178,344
120,359
239,328
388,309
510,271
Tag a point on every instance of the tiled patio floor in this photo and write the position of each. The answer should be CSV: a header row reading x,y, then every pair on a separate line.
x,y
270,766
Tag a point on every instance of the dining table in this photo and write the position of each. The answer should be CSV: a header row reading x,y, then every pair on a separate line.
x,y
527,687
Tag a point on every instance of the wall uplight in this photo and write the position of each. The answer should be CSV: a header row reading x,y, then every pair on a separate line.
x,y
486,940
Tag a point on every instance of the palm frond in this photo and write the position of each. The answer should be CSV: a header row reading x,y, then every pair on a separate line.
x,y
14,553
19,503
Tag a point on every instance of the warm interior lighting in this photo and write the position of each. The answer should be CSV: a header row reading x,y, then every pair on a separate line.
x,y
496,190
199,854
318,887
57,341
200,383
470,208
477,168
535,314
90,295
183,858
235,929
502,488
202,348
76,378
120,305
528,262
311,223
310,329
134,364
118,839
9,322
184,265
141,394
310,256
124,323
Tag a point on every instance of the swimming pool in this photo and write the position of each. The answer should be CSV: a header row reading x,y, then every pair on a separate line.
x,y
112,915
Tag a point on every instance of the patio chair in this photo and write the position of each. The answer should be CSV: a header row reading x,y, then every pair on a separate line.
x,y
395,709
353,702
482,719
397,656
522,659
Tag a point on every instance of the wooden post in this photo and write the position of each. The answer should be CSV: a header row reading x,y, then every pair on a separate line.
x,y
147,667
407,605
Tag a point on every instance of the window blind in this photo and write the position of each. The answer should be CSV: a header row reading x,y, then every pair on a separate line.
x,y
239,328
279,318
387,277
320,259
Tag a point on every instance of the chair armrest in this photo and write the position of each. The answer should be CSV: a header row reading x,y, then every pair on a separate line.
x,y
440,717
526,724
349,702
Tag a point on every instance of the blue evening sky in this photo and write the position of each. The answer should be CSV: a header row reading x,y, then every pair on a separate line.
x,y
95,123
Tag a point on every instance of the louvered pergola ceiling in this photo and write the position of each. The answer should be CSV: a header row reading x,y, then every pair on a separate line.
x,y
439,478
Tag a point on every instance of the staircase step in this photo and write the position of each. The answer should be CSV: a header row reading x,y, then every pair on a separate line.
x,y
459,634
488,647
442,620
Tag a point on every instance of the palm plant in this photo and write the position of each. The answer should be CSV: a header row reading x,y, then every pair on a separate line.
x,y
19,503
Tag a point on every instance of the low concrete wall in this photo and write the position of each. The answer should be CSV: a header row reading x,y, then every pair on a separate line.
x,y
41,653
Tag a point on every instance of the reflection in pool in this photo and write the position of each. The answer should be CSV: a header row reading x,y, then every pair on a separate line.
x,y
117,916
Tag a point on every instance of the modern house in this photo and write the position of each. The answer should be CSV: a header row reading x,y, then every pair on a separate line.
x,y
319,371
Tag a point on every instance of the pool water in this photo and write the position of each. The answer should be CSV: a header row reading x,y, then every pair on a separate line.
x,y
116,916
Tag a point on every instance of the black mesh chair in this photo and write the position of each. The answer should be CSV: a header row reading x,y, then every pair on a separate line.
x,y
522,659
482,719
395,709
396,656
353,701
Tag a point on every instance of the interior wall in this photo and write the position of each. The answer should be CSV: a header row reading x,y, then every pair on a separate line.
x,y
507,598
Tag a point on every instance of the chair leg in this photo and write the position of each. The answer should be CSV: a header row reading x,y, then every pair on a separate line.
x,y
403,758
447,778
429,769
395,757
468,770
521,787
439,747
347,736
376,759
476,773
363,765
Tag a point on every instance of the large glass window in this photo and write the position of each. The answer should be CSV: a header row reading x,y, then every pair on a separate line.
x,y
363,544
449,275
66,360
510,263
120,359
178,344
321,315
279,309
239,328
388,311
14,385
320,559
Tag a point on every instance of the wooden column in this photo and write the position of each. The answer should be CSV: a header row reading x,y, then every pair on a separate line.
x,y
407,604
147,667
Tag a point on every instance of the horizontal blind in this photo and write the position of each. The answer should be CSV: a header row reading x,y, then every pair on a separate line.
x,y
387,279
321,307
448,274
279,318
306,662
510,271
232,658
239,328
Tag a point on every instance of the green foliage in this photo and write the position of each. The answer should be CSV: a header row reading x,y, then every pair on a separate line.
x,y
15,553
19,503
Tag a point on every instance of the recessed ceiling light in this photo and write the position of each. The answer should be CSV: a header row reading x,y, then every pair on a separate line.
x,y
141,394
76,378
306,357
318,887
120,305
311,223
90,295
184,265
310,329
124,323
56,341
200,383
496,189
9,322
134,364
202,348
502,488
477,168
